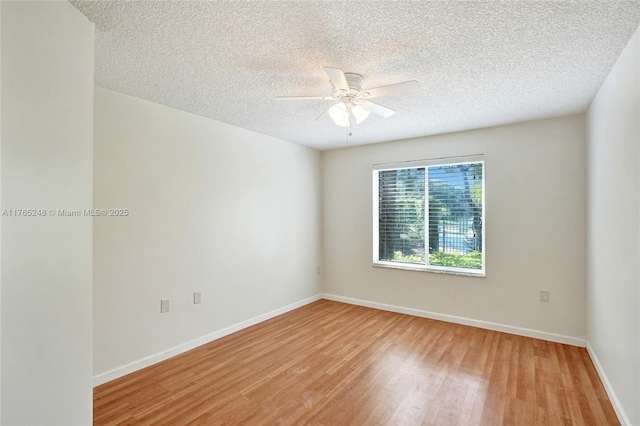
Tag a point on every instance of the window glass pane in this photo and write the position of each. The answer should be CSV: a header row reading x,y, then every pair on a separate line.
x,y
455,215
401,209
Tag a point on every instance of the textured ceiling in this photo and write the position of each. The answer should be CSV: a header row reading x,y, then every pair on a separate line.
x,y
479,63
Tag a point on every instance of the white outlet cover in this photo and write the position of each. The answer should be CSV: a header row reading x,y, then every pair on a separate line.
x,y
197,297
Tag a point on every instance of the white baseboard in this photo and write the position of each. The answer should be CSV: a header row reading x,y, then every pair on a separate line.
x,y
558,338
176,350
622,415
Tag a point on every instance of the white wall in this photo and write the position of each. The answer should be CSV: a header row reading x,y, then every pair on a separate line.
x,y
613,291
213,208
535,227
0,220
47,134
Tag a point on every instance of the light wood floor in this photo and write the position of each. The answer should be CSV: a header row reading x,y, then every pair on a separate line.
x,y
330,363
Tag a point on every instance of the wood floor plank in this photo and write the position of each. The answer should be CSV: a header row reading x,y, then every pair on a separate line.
x,y
330,363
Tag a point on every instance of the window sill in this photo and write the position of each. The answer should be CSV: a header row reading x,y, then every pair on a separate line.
x,y
408,267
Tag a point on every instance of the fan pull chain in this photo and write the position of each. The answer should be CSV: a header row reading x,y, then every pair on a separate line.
x,y
349,132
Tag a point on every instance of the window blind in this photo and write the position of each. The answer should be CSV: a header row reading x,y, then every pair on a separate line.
x,y
401,215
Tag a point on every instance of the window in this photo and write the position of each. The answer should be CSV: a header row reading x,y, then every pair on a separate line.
x,y
429,215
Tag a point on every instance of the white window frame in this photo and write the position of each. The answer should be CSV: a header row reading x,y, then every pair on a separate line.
x,y
478,158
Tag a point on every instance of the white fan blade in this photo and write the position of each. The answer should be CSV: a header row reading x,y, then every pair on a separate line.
x,y
377,109
324,114
287,98
337,78
392,89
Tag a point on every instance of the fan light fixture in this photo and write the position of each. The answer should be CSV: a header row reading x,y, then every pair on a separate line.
x,y
339,113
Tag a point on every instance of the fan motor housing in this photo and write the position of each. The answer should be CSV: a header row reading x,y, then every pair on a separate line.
x,y
355,87
354,81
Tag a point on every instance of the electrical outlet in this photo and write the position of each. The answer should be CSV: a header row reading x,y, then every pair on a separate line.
x,y
544,295
164,306
318,270
197,297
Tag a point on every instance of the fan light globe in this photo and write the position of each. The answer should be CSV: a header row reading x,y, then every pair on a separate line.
x,y
338,112
360,113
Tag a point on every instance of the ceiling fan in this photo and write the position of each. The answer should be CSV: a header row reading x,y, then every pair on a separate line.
x,y
352,100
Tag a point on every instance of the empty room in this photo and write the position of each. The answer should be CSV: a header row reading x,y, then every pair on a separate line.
x,y
320,212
